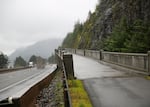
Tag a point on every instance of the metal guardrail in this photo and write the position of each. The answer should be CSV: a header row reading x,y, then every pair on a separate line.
x,y
67,98
66,90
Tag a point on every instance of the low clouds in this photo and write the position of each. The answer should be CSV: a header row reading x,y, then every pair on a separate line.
x,y
23,22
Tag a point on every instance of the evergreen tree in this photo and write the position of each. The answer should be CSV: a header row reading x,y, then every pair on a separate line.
x,y
3,61
72,38
139,40
129,38
20,62
33,59
119,35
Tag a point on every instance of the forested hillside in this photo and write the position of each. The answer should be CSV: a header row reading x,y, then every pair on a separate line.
x,y
115,25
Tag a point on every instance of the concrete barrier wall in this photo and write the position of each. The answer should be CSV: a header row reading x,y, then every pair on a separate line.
x,y
80,52
131,60
93,54
71,50
12,69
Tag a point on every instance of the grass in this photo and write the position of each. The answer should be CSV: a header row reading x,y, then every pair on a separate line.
x,y
147,77
78,94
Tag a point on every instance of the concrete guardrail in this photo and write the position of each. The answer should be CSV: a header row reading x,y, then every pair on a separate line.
x,y
137,61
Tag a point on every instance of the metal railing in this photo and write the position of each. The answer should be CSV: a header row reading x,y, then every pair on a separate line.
x,y
67,98
66,90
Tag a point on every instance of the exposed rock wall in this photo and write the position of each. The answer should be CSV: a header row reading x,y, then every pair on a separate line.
x,y
103,20
110,12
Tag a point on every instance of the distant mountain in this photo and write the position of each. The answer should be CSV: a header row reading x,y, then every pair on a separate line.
x,y
42,48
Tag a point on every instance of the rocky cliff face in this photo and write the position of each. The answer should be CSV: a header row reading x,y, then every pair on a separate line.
x,y
110,12
101,23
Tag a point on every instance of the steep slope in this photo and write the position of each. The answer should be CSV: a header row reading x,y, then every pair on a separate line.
x,y
42,48
101,23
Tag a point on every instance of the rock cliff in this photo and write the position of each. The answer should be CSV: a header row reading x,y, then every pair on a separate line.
x,y
107,15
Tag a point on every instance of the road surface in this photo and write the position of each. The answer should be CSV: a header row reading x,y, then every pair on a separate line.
x,y
13,84
108,87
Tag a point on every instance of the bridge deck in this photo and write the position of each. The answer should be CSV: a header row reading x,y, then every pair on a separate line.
x,y
89,68
108,87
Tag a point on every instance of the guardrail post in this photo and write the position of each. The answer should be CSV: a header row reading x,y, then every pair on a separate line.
x,y
68,62
149,62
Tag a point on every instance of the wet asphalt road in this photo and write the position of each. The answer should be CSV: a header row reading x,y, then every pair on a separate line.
x,y
8,79
16,83
108,87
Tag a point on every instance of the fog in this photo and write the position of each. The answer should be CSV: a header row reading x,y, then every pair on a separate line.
x,y
24,22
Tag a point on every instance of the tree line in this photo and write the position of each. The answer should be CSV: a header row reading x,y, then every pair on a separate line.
x,y
3,61
125,37
21,62
129,37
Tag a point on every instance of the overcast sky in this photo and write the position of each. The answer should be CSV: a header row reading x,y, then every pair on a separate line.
x,y
24,22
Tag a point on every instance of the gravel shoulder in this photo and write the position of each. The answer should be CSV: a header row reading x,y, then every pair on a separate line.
x,y
52,96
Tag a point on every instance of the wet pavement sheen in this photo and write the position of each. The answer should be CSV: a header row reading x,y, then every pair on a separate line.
x,y
16,83
108,87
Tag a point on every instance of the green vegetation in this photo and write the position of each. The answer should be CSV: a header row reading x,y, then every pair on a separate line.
x,y
82,34
38,60
72,38
78,95
3,61
117,31
33,59
129,37
147,77
20,62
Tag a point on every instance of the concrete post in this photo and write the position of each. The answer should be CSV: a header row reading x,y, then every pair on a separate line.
x,y
84,52
149,62
58,59
68,63
101,54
